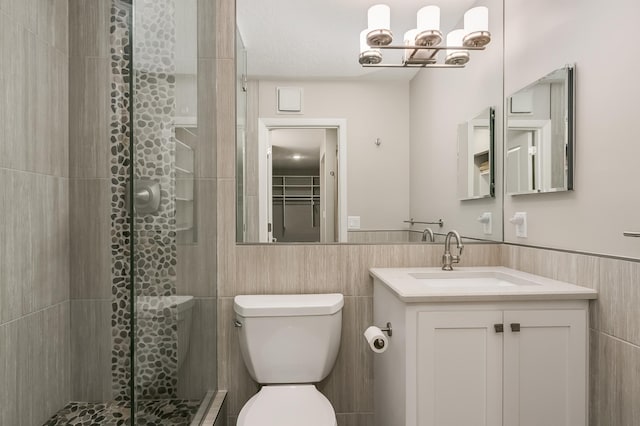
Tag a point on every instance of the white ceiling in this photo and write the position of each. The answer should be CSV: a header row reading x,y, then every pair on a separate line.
x,y
305,143
319,39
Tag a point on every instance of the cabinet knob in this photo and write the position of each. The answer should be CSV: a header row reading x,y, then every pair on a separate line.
x,y
499,328
515,327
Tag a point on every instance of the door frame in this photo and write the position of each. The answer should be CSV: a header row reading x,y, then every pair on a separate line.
x,y
267,124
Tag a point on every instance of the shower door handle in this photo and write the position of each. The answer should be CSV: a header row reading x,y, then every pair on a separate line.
x,y
147,196
631,234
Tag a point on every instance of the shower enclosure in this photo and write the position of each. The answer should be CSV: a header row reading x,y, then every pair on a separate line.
x,y
148,356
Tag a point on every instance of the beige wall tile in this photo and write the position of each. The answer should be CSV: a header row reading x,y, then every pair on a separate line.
x,y
198,374
355,419
225,29
89,23
23,12
91,350
89,145
91,238
282,269
206,150
43,364
358,259
207,29
35,243
17,49
9,373
52,23
226,113
615,387
349,386
570,267
196,264
235,377
48,112
618,299
226,250
251,148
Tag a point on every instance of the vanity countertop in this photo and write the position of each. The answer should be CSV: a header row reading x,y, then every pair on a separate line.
x,y
477,284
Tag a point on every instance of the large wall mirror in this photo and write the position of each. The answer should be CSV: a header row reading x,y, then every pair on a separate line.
x,y
539,135
329,151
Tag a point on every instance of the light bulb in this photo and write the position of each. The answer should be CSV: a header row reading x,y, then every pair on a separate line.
x,y
379,17
476,27
379,24
428,18
428,26
456,56
476,19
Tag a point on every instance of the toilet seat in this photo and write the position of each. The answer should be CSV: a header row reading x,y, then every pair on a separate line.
x,y
287,405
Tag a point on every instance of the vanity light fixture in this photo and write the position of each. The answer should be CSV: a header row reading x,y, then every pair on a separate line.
x,y
422,44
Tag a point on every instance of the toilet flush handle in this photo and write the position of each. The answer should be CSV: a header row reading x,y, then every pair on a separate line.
x,y
237,323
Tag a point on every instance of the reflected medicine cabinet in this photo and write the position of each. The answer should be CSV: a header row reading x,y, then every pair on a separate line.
x,y
476,156
539,135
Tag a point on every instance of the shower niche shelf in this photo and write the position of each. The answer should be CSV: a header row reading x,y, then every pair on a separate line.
x,y
185,186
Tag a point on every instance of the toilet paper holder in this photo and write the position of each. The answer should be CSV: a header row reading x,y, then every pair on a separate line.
x,y
387,330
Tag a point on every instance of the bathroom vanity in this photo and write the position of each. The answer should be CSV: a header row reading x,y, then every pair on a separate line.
x,y
480,346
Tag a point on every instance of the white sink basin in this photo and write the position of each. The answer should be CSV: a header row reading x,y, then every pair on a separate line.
x,y
474,284
472,279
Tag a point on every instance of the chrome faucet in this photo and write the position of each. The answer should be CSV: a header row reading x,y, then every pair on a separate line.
x,y
447,258
428,232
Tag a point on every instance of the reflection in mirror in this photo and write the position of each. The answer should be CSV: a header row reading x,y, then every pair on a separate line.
x,y
304,185
476,156
381,175
539,135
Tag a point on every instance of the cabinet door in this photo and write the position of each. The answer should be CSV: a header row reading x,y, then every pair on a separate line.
x,y
545,368
459,369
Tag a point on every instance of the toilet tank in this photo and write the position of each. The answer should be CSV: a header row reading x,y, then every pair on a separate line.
x,y
289,338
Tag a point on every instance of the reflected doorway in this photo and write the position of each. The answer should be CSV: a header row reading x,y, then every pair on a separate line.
x,y
302,181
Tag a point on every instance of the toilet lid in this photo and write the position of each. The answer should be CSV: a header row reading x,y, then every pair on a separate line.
x,y
285,405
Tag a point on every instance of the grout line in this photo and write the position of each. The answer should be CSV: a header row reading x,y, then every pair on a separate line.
x,y
10,169
35,312
600,255
618,339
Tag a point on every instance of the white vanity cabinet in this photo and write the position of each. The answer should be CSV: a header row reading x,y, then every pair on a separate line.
x,y
489,360
469,373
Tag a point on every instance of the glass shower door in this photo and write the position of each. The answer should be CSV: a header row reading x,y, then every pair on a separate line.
x,y
173,356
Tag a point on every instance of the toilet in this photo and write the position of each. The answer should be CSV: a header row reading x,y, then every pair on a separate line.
x,y
288,343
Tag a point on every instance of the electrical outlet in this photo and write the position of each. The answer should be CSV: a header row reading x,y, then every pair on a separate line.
x,y
486,220
520,221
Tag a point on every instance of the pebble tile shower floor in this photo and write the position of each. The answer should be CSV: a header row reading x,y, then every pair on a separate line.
x,y
149,413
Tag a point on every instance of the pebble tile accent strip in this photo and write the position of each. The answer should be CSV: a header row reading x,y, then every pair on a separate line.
x,y
155,254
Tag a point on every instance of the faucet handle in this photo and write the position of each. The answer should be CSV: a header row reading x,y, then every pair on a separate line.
x,y
456,257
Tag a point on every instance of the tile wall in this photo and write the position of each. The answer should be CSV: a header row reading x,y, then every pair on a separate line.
x,y
90,189
614,371
34,207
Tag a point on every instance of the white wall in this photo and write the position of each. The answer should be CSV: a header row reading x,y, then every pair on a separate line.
x,y
541,36
377,177
440,101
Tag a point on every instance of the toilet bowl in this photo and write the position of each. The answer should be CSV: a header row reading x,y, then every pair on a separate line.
x,y
288,343
288,405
